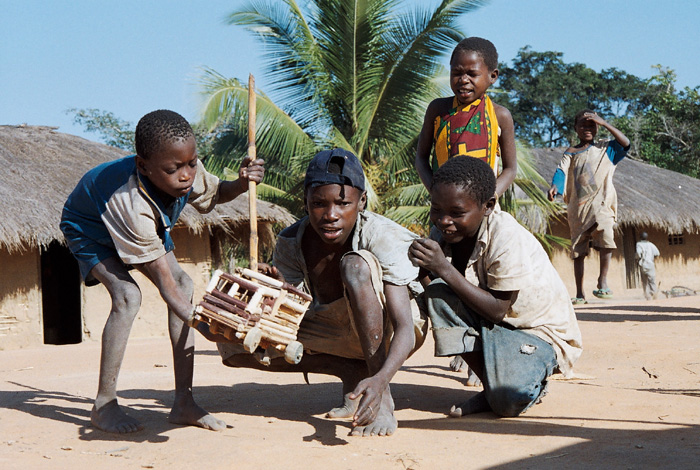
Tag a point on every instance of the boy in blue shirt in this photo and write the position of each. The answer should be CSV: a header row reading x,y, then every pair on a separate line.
x,y
119,217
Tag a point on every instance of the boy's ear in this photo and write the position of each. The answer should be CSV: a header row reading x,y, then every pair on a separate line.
x,y
489,206
363,201
494,76
141,165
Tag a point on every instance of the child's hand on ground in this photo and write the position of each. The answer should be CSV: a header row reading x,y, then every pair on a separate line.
x,y
370,389
427,254
252,170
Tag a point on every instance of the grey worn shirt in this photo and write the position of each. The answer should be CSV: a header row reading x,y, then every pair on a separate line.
x,y
384,238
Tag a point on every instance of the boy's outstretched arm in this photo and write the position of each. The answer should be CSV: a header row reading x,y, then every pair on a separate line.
x,y
425,145
506,141
229,190
398,308
492,305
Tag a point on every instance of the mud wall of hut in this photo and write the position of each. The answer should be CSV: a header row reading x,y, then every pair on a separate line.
x,y
677,265
20,300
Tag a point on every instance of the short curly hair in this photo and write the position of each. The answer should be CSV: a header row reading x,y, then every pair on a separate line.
x,y
481,46
157,128
472,174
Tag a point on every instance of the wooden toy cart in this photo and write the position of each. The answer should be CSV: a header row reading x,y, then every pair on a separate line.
x,y
249,306
258,310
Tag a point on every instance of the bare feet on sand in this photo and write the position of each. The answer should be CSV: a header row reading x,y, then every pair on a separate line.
x,y
384,423
346,410
187,412
458,364
476,404
111,418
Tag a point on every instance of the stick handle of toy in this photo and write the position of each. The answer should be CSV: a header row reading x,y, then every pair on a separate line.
x,y
252,192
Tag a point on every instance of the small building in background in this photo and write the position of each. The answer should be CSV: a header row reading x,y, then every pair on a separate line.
x,y
42,297
663,203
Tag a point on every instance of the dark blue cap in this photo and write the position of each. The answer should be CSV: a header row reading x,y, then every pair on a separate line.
x,y
335,166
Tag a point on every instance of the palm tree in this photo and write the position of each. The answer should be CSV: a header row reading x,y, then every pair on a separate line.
x,y
355,74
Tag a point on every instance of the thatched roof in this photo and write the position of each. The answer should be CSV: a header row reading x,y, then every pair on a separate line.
x,y
41,167
646,195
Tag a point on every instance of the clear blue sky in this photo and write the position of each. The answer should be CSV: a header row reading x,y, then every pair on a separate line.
x,y
131,57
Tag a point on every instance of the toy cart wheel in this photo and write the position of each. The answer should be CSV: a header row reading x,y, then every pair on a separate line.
x,y
252,339
293,352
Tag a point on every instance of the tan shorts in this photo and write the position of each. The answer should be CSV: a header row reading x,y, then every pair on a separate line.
x,y
603,236
330,328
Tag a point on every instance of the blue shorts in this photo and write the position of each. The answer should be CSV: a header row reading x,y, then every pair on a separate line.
x,y
88,253
516,364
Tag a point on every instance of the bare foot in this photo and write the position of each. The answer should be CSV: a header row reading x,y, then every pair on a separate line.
x,y
473,380
110,418
346,410
476,404
458,364
384,424
350,377
188,413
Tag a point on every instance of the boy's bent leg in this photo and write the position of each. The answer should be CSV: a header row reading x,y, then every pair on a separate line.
x,y
185,410
361,283
106,414
516,368
512,365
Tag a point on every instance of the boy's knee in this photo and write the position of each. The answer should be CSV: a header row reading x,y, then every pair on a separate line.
x,y
184,283
126,298
439,297
437,289
354,270
510,402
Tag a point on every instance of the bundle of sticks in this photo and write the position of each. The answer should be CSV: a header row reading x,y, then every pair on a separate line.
x,y
249,306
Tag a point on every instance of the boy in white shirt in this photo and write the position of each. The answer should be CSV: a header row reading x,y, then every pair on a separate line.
x,y
495,298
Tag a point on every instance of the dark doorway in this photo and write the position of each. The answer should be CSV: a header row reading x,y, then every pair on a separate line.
x,y
60,296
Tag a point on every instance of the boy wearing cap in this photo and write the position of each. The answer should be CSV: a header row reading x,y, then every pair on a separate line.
x,y
363,323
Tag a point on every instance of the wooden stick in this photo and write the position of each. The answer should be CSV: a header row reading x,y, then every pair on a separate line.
x,y
252,193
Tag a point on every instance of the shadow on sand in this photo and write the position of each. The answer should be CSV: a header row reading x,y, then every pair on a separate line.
x,y
638,313
666,445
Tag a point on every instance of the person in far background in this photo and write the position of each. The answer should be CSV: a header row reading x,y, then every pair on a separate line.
x,y
584,176
646,252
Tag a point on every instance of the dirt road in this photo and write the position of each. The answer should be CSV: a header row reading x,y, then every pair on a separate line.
x,y
635,405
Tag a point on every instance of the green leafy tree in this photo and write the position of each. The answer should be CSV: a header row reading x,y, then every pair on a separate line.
x,y
543,93
112,130
356,74
665,127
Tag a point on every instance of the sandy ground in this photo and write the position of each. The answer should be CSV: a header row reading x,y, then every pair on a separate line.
x,y
635,405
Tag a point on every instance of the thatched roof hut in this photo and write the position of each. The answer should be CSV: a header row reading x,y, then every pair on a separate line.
x,y
43,166
647,195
